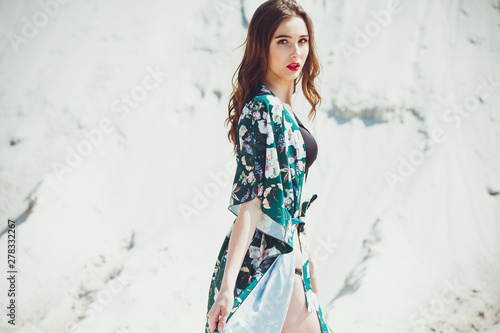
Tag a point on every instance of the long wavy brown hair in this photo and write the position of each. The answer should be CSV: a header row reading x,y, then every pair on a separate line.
x,y
254,65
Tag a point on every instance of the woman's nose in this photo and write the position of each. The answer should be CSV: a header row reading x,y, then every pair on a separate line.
x,y
295,51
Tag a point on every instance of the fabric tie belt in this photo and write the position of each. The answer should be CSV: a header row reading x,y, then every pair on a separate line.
x,y
301,219
303,208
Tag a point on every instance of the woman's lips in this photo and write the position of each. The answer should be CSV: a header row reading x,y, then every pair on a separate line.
x,y
294,66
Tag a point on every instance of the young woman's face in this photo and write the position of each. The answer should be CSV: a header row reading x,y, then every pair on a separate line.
x,y
288,49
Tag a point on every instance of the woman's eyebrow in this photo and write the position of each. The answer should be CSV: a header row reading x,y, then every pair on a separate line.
x,y
288,36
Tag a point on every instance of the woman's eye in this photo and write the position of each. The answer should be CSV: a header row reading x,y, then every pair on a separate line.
x,y
302,41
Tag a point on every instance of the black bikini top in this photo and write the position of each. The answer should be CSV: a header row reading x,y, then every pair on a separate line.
x,y
310,143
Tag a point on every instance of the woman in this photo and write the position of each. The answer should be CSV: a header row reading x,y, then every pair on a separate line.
x,y
263,280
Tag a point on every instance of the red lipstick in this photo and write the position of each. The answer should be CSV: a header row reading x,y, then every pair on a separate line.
x,y
294,66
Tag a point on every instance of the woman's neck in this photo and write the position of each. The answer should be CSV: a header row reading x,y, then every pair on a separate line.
x,y
281,89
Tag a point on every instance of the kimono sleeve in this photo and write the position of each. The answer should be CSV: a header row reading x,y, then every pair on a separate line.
x,y
258,170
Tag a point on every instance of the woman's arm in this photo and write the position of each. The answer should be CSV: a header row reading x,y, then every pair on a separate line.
x,y
241,236
239,241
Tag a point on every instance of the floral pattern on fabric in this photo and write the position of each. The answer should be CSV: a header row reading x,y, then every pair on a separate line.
x,y
269,149
271,159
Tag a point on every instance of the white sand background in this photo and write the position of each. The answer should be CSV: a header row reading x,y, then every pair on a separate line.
x,y
124,239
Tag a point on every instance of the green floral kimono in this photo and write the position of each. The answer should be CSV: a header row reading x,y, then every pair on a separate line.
x,y
270,160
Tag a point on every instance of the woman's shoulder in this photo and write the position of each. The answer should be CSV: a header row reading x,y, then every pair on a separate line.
x,y
263,108
257,103
264,100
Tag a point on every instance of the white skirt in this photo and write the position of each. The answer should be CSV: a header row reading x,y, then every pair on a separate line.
x,y
265,308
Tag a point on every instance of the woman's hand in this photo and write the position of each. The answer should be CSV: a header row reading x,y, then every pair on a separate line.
x,y
220,310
